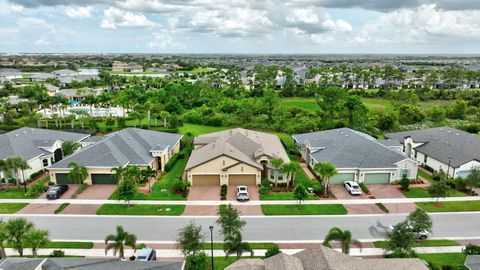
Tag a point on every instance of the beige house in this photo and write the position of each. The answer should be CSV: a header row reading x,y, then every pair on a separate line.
x,y
127,147
234,157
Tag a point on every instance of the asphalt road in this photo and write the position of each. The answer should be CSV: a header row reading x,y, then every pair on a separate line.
x,y
257,228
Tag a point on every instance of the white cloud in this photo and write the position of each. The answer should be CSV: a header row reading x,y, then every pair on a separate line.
x,y
77,12
421,25
114,17
163,40
42,42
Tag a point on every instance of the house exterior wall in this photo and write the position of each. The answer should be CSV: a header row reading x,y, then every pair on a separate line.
x,y
214,167
467,167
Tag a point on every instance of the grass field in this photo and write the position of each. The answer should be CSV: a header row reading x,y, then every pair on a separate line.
x,y
444,259
199,129
11,208
141,210
424,243
425,175
416,192
292,209
253,245
450,206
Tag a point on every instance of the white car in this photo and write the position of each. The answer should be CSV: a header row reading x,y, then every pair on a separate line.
x,y
242,193
423,235
352,187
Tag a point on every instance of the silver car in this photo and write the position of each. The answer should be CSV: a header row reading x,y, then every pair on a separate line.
x,y
423,235
242,194
352,187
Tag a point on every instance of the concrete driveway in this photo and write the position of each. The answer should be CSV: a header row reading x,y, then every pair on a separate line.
x,y
341,193
97,192
67,195
204,193
400,207
200,210
385,191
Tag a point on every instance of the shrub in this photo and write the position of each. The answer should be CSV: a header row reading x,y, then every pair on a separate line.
x,y
272,251
460,184
318,190
50,183
181,187
57,253
452,185
196,262
364,188
404,184
36,174
471,249
35,189
266,183
223,192
263,190
171,163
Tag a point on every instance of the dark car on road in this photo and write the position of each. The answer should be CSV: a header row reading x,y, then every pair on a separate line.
x,y
56,192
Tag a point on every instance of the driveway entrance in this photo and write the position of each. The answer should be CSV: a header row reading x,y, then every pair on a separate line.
x,y
204,193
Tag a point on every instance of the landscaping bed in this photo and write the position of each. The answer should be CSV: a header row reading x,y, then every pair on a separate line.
x,y
11,208
460,206
141,210
293,209
19,193
253,245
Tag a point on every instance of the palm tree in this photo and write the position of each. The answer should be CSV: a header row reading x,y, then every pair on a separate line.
x,y
36,239
325,171
4,168
16,230
235,245
3,239
118,174
23,165
277,164
344,237
15,165
290,170
134,173
147,174
78,174
118,241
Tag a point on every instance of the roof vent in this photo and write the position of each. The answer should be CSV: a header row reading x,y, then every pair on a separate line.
x,y
458,134
31,129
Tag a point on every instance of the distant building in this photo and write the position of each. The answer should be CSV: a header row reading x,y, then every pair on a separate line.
x,y
127,67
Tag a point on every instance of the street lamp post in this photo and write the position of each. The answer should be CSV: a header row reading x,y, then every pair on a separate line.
x,y
211,245
448,168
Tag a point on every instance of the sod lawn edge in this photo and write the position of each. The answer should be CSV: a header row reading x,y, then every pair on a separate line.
x,y
141,210
423,243
457,206
11,208
309,209
64,245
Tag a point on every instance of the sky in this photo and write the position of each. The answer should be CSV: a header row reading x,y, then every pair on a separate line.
x,y
241,26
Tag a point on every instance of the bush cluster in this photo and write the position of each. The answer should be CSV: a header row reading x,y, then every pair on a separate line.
x,y
223,192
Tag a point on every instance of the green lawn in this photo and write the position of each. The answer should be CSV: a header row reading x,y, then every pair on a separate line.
x,y
221,263
300,178
424,243
66,245
253,245
11,208
305,103
416,192
292,209
199,129
61,208
14,193
450,206
443,259
425,175
141,210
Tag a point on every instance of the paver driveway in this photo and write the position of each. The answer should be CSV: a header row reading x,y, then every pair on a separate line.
x,y
200,210
67,195
385,191
81,209
341,193
400,207
363,209
97,192
252,191
39,209
204,193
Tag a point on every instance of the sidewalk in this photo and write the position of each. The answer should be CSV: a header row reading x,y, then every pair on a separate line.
x,y
253,202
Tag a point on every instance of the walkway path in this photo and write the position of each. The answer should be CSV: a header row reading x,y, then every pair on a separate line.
x,y
307,170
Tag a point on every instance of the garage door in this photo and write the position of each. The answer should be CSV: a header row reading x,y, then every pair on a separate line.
x,y
377,178
103,179
342,177
62,179
206,180
242,180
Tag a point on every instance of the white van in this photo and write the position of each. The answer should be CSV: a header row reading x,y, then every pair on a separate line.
x,y
146,254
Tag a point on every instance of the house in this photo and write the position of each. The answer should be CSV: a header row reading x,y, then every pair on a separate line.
x,y
130,146
234,157
454,151
40,77
357,156
39,147
78,94
128,67
324,258
473,262
86,264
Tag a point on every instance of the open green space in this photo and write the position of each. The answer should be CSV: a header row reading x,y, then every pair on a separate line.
x,y
141,210
294,209
11,208
417,192
460,206
19,193
443,259
424,243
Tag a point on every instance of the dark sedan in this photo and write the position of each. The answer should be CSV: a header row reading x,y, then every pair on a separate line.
x,y
56,191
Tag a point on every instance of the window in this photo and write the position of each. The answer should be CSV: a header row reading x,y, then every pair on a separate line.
x,y
280,176
416,154
405,173
425,158
45,162
403,148
272,175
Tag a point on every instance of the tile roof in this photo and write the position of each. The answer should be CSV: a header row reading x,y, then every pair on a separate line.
x,y
347,148
25,142
127,146
442,143
473,262
241,144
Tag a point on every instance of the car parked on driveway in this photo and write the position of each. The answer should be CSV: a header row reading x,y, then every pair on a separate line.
x,y
352,187
56,192
242,194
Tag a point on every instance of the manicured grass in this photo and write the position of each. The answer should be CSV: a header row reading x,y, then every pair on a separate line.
x,y
425,175
13,193
61,207
253,245
416,192
199,129
280,196
308,104
441,259
292,209
66,245
141,210
424,243
450,206
11,208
